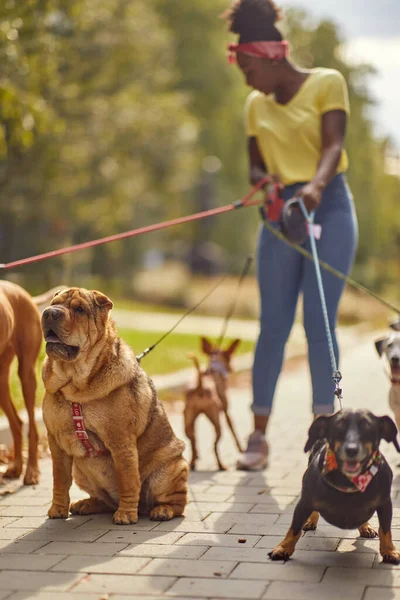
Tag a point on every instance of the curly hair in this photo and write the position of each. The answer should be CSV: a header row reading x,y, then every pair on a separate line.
x,y
254,20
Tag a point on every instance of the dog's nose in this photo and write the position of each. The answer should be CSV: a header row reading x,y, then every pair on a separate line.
x,y
53,313
351,450
395,360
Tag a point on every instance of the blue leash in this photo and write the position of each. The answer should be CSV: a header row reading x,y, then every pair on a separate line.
x,y
336,374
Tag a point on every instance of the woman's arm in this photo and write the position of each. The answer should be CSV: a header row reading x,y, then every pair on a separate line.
x,y
333,126
257,168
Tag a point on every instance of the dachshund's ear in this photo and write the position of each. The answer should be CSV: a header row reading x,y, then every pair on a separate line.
x,y
317,431
388,431
379,345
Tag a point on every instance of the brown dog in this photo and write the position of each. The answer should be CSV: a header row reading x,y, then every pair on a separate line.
x,y
21,336
209,396
106,427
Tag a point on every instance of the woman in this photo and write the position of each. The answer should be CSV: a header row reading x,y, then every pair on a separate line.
x,y
296,122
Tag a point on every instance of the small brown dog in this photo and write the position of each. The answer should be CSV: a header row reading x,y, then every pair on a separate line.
x,y
106,427
20,336
209,396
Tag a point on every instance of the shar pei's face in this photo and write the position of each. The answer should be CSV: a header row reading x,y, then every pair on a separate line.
x,y
74,323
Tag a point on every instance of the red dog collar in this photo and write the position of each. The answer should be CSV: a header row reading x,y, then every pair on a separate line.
x,y
81,433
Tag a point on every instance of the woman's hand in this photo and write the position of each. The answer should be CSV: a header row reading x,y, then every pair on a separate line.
x,y
311,194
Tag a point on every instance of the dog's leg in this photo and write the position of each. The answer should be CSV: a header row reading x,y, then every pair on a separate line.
x,y
230,425
285,549
170,491
89,506
62,480
366,531
312,522
126,461
14,471
386,546
213,414
190,433
26,372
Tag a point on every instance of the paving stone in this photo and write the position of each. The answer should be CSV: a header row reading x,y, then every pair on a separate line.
x,y
277,572
140,537
217,539
64,534
53,596
19,546
236,554
25,511
123,565
225,507
12,534
83,548
211,497
279,507
188,568
206,588
128,584
105,522
373,593
46,523
28,580
19,500
34,563
220,525
263,499
163,550
313,591
305,543
338,559
359,545
364,576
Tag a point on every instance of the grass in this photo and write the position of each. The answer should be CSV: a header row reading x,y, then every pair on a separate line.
x,y
169,356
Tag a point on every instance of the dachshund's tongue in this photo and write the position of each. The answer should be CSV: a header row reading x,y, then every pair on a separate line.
x,y
351,466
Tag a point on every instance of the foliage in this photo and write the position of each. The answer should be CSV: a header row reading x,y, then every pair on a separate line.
x,y
109,113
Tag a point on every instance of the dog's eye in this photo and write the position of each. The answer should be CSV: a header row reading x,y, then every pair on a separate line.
x,y
79,309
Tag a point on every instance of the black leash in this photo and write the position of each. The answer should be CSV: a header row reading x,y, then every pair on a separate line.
x,y
147,350
245,270
229,314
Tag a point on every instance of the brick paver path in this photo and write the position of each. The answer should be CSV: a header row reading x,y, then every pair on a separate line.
x,y
233,519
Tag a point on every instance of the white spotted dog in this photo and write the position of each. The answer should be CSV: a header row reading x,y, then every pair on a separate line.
x,y
389,347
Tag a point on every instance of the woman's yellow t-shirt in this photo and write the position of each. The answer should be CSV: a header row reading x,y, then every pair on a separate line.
x,y
289,135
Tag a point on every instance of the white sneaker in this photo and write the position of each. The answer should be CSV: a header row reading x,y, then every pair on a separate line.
x,y
255,456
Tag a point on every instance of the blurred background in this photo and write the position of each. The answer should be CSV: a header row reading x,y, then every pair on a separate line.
x,y
115,114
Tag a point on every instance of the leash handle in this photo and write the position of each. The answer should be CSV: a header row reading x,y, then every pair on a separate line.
x,y
336,374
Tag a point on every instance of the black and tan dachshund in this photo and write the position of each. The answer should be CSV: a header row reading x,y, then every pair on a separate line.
x,y
347,480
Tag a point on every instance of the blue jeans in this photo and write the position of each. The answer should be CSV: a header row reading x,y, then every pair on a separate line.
x,y
282,274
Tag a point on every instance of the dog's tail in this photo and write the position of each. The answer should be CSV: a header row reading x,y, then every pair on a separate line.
x,y
44,299
199,374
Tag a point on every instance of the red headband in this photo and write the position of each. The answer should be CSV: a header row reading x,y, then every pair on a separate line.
x,y
271,50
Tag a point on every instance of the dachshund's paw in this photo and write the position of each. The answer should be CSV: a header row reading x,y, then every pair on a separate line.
x,y
125,517
309,526
163,512
280,553
58,512
392,557
366,531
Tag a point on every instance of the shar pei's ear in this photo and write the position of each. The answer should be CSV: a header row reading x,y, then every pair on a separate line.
x,y
102,301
